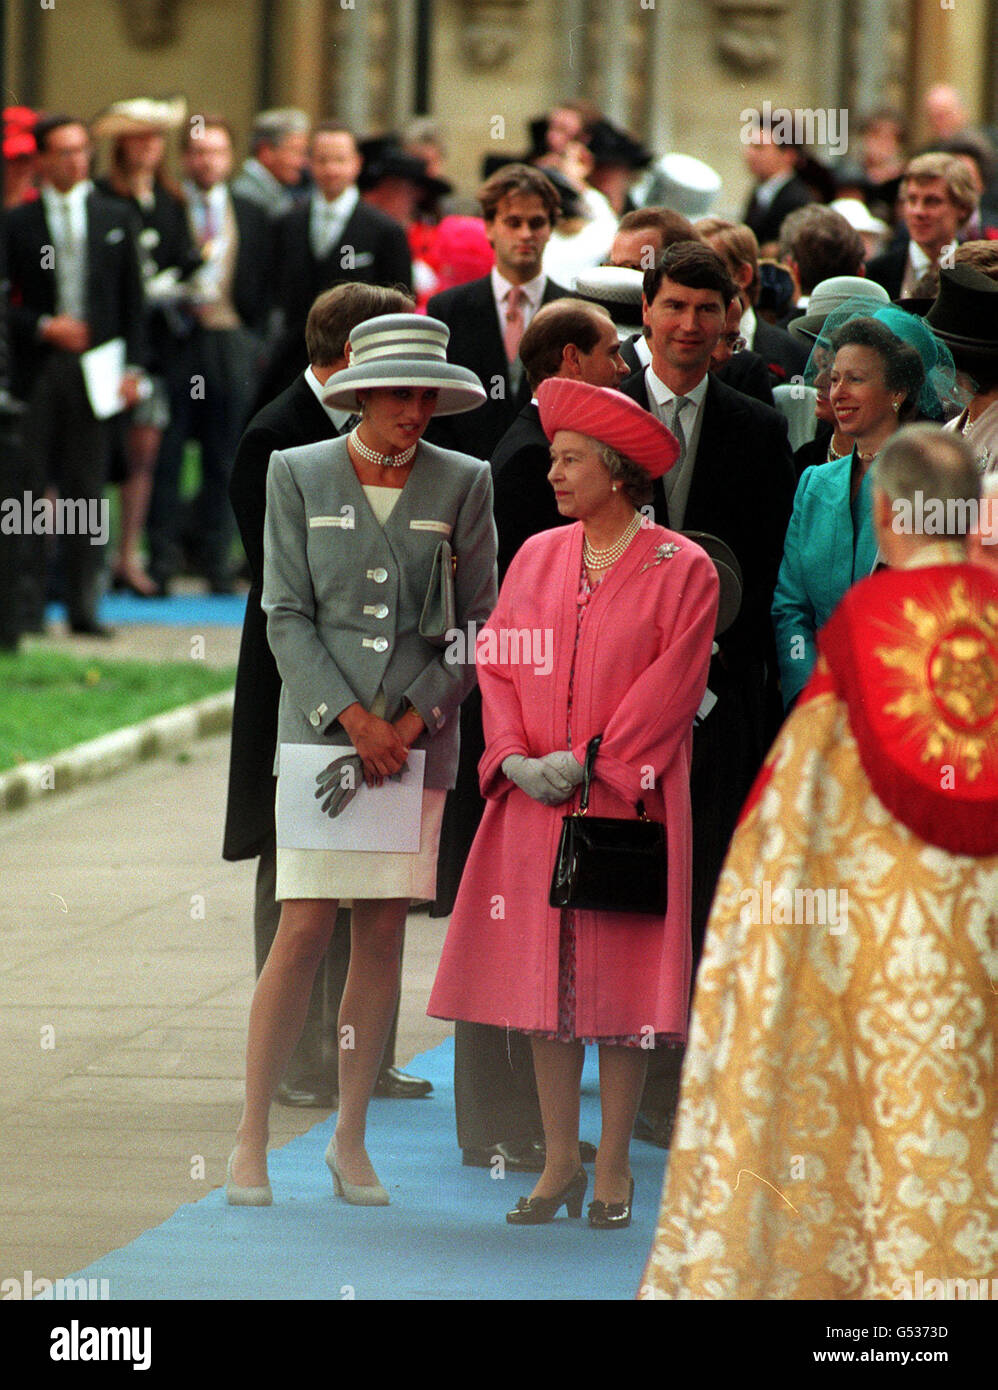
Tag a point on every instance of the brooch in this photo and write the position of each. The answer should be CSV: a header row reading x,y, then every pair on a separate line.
x,y
664,552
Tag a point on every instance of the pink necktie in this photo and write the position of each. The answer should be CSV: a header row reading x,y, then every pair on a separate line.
x,y
513,331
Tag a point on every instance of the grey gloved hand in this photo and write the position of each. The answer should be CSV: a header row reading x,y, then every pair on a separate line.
x,y
566,764
339,783
539,778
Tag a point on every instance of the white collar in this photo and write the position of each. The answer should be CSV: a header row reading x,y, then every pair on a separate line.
x,y
663,394
338,417
747,326
342,206
262,174
919,260
533,289
76,197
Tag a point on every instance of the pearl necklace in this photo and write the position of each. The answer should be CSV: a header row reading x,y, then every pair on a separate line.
x,y
603,559
383,460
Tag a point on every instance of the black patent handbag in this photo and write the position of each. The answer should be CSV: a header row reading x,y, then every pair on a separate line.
x,y
609,864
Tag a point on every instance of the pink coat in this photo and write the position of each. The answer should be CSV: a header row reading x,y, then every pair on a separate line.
x,y
640,673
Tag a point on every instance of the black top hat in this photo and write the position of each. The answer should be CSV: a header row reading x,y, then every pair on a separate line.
x,y
608,144
385,158
965,313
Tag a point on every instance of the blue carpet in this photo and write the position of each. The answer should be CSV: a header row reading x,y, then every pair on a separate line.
x,y
180,610
444,1236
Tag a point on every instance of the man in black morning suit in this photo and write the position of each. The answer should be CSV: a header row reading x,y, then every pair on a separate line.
x,y
735,480
331,237
228,314
298,416
488,317
74,283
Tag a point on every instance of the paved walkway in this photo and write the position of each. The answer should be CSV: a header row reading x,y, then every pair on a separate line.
x,y
126,969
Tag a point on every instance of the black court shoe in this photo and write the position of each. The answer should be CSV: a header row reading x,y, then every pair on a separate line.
x,y
611,1216
537,1211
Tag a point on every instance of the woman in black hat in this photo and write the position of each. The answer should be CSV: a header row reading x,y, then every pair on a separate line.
x,y
965,317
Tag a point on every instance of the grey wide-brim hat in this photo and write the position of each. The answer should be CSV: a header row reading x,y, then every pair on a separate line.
x,y
403,350
617,289
829,296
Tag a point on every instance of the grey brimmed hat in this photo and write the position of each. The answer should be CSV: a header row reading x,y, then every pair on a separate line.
x,y
403,350
617,289
829,296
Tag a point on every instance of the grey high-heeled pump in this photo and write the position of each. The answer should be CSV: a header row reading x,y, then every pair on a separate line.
x,y
237,1196
354,1193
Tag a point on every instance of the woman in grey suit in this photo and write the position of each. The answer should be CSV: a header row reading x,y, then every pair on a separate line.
x,y
353,528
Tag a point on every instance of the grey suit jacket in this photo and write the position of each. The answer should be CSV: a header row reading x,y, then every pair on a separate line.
x,y
343,596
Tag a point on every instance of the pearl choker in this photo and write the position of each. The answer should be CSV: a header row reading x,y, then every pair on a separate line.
x,y
603,559
383,460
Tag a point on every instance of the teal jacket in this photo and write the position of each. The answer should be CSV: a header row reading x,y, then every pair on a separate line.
x,y
825,551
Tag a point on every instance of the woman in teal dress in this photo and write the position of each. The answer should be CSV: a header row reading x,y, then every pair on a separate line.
x,y
878,382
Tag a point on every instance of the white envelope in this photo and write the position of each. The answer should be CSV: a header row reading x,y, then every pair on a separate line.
x,y
103,370
385,818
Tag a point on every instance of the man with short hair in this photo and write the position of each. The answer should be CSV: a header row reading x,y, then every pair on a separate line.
x,y
566,338
228,321
734,480
738,249
779,189
331,237
816,244
488,317
937,198
75,284
642,239
644,234
298,416
272,175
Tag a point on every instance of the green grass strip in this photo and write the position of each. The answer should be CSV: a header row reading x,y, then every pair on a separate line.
x,y
50,702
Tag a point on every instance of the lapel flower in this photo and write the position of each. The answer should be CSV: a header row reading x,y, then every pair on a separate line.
x,y
664,552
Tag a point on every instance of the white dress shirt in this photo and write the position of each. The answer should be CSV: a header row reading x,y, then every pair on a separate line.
x,y
679,478
66,216
318,388
327,221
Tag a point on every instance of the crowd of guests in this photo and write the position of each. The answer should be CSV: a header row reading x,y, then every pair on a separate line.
x,y
671,437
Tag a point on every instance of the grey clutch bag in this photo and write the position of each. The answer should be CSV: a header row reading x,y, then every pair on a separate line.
x,y
438,617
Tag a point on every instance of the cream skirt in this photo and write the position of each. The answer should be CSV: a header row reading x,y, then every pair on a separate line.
x,y
349,874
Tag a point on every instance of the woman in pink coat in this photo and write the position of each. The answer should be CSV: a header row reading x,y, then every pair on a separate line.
x,y
601,628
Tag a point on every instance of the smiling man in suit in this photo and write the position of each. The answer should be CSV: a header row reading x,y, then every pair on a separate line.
x,y
488,317
297,416
333,236
74,283
735,480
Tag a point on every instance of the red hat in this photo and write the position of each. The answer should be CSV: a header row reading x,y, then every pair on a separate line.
x,y
18,131
610,417
914,654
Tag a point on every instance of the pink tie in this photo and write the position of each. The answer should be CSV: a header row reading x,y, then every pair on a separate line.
x,y
514,322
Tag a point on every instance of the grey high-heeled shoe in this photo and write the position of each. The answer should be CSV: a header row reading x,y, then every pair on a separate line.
x,y
237,1196
354,1193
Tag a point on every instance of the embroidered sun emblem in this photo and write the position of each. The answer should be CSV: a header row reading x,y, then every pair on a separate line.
x,y
945,652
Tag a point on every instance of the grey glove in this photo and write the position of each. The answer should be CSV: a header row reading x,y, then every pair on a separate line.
x,y
541,779
339,783
566,764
